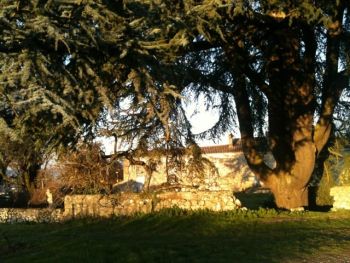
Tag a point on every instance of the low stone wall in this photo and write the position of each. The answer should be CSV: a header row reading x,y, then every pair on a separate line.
x,y
130,203
122,204
341,196
15,215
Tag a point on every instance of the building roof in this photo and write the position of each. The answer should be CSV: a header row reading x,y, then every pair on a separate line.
x,y
221,148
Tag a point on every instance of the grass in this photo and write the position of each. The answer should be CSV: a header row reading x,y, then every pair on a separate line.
x,y
179,236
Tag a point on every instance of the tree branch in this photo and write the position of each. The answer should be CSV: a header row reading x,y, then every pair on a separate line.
x,y
249,144
324,125
333,83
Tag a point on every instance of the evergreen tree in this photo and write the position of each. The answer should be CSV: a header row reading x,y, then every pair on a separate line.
x,y
280,67
64,64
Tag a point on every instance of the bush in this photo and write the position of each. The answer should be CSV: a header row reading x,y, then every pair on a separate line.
x,y
85,171
336,171
339,162
344,176
323,197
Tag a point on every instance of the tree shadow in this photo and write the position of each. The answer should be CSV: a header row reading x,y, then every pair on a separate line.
x,y
255,198
196,238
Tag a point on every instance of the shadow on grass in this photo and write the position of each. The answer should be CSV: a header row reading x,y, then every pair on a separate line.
x,y
257,200
321,208
265,199
170,237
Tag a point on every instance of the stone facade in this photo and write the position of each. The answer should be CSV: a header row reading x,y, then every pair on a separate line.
x,y
233,173
341,196
228,172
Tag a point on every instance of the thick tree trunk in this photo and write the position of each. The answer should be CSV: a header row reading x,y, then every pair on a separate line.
x,y
290,188
28,184
29,175
2,175
289,197
288,192
3,169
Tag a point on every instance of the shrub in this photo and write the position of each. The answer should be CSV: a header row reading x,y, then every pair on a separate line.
x,y
336,171
339,162
344,176
323,197
84,171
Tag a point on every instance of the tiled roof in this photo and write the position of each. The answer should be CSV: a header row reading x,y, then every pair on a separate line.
x,y
221,148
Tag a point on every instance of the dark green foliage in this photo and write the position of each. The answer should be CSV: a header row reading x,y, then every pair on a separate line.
x,y
65,63
80,56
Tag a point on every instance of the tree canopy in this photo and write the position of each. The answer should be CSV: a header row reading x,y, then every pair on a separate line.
x,y
281,68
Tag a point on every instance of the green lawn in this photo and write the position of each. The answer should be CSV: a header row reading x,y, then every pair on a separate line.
x,y
179,236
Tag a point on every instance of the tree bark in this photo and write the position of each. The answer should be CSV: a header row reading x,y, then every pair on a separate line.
x,y
287,191
290,188
29,175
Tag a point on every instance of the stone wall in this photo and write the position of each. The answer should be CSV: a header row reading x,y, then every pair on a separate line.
x,y
15,215
130,203
341,196
122,204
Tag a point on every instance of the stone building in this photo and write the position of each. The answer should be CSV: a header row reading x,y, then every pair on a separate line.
x,y
225,169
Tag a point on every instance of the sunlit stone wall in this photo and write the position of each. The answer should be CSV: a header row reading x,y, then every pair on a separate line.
x,y
131,203
76,206
15,215
341,196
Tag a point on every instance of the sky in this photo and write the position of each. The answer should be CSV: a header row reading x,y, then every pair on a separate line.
x,y
203,120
